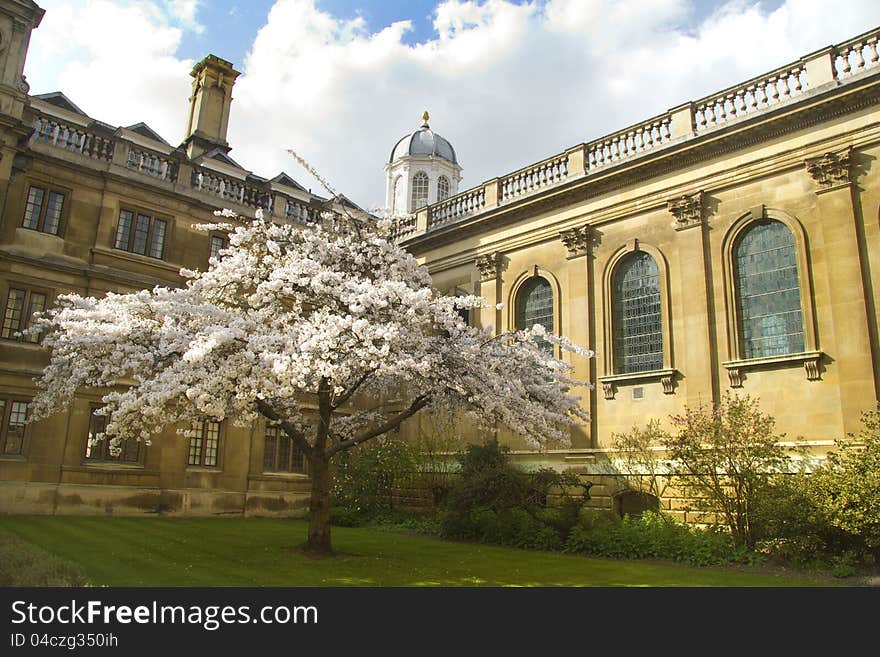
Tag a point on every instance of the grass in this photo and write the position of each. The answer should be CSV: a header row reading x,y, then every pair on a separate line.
x,y
263,552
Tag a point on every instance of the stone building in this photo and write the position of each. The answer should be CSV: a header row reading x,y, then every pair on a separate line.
x,y
89,207
731,243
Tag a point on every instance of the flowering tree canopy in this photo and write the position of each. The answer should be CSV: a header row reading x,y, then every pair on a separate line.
x,y
331,331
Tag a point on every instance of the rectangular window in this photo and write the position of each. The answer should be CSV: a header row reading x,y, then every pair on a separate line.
x,y
280,454
141,233
43,209
204,443
13,415
217,242
98,449
18,313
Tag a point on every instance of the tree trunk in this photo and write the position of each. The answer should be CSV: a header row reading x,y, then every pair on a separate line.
x,y
319,507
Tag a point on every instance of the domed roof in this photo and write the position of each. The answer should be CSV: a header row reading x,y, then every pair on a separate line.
x,y
423,142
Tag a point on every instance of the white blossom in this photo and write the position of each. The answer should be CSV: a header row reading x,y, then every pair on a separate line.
x,y
292,316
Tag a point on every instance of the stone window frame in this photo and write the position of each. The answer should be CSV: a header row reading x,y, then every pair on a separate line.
x,y
211,241
8,399
153,217
301,470
26,313
555,287
667,373
48,188
221,441
105,458
736,363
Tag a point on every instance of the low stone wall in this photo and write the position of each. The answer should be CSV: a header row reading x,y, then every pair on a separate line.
x,y
86,499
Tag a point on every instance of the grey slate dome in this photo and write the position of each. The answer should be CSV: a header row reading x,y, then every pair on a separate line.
x,y
423,142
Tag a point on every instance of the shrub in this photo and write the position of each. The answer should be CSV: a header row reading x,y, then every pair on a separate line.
x,y
653,535
493,501
723,459
366,475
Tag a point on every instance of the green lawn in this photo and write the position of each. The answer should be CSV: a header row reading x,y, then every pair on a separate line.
x,y
261,552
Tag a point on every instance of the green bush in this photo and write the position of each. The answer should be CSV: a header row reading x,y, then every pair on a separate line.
x,y
653,535
493,501
366,476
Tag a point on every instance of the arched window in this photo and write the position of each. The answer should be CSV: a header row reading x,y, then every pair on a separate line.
x,y
636,321
442,188
534,305
419,190
768,293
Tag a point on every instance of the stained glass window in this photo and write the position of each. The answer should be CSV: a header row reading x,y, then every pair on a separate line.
x,y
534,305
419,190
768,292
636,319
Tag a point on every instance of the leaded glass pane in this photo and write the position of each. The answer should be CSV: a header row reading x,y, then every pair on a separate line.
x,y
217,243
12,316
212,442
123,230
637,323
53,213
419,191
37,305
157,239
442,188
768,292
195,443
141,231
34,205
269,447
15,429
534,305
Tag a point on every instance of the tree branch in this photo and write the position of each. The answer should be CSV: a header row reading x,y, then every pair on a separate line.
x,y
295,434
392,423
344,397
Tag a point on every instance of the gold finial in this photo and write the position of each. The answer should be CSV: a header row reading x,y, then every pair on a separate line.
x,y
425,118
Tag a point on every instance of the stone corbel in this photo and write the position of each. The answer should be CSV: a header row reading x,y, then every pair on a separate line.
x,y
609,389
491,266
578,241
831,170
811,366
735,376
668,383
687,210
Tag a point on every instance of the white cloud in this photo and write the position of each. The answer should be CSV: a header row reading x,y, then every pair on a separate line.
x,y
507,84
116,61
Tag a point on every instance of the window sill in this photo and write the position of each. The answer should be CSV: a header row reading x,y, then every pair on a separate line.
x,y
13,458
107,466
122,254
810,360
284,476
204,468
666,376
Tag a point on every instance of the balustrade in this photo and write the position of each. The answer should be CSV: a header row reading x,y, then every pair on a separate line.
x,y
72,138
538,176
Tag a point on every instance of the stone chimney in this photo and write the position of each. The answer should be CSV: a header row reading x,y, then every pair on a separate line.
x,y
209,104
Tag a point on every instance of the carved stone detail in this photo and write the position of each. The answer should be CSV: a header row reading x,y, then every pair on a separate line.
x,y
491,266
735,376
668,383
812,368
608,389
578,241
687,210
831,169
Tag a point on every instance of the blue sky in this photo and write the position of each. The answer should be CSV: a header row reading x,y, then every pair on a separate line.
x,y
508,82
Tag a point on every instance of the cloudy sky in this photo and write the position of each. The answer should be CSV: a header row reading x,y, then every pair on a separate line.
x,y
507,82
